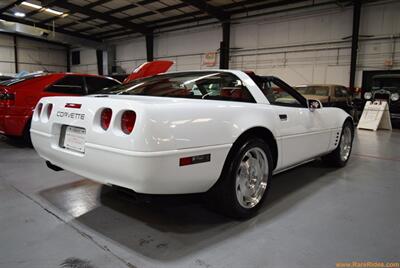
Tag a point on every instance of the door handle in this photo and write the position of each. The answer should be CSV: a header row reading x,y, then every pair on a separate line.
x,y
283,117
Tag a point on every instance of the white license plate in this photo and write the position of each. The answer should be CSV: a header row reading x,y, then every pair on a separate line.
x,y
74,139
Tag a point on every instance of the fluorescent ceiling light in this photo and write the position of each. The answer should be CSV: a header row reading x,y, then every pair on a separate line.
x,y
55,12
31,5
49,10
19,14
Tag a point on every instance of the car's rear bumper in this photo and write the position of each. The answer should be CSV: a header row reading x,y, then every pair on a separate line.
x,y
13,125
143,172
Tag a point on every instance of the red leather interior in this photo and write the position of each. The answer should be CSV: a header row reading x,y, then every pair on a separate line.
x,y
232,92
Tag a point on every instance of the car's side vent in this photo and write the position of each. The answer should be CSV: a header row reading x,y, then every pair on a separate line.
x,y
337,138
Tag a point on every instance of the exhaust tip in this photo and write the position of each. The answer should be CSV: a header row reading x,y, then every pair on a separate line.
x,y
53,167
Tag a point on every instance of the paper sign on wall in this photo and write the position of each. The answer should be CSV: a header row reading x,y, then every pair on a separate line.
x,y
375,115
210,59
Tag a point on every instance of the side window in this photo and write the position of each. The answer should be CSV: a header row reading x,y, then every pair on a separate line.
x,y
222,86
277,95
344,92
95,84
70,84
339,92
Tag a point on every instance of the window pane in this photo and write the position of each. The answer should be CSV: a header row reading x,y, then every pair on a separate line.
x,y
277,95
69,84
338,92
344,91
313,90
94,84
76,57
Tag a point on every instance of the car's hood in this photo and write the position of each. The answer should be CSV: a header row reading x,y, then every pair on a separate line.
x,y
149,69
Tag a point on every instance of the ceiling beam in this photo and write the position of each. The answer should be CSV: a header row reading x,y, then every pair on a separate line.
x,y
35,24
191,20
155,23
268,5
15,3
137,16
180,19
152,24
146,2
94,4
211,10
121,9
98,15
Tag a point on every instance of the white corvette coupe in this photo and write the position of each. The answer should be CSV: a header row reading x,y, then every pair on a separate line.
x,y
222,132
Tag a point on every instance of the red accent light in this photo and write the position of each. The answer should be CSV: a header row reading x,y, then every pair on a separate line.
x,y
73,105
7,99
185,161
105,118
128,120
49,109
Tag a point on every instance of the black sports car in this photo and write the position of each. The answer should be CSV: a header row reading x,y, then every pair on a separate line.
x,y
386,87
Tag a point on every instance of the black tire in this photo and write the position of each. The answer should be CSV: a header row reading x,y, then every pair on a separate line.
x,y
26,135
224,195
334,158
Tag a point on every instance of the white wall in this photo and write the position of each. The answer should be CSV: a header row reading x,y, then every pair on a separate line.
x,y
36,56
308,46
7,54
314,47
32,55
88,64
130,54
186,49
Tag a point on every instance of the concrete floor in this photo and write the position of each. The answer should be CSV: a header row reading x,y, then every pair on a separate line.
x,y
314,216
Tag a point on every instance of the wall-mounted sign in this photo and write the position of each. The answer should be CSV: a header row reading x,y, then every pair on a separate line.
x,y
388,63
210,59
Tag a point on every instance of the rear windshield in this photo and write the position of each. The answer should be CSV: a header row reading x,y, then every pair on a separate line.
x,y
194,85
20,79
313,90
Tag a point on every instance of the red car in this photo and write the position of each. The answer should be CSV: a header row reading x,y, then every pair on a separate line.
x,y
18,97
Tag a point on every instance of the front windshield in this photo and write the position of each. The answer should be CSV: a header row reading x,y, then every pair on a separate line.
x,y
391,84
313,90
195,85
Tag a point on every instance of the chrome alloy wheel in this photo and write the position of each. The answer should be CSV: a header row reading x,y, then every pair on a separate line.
x,y
345,144
252,177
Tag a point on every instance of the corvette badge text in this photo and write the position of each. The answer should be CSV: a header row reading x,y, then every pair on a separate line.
x,y
71,115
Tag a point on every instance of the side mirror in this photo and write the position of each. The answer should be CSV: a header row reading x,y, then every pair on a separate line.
x,y
313,105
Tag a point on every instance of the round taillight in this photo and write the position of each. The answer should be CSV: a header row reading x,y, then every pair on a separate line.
x,y
128,120
105,118
49,109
